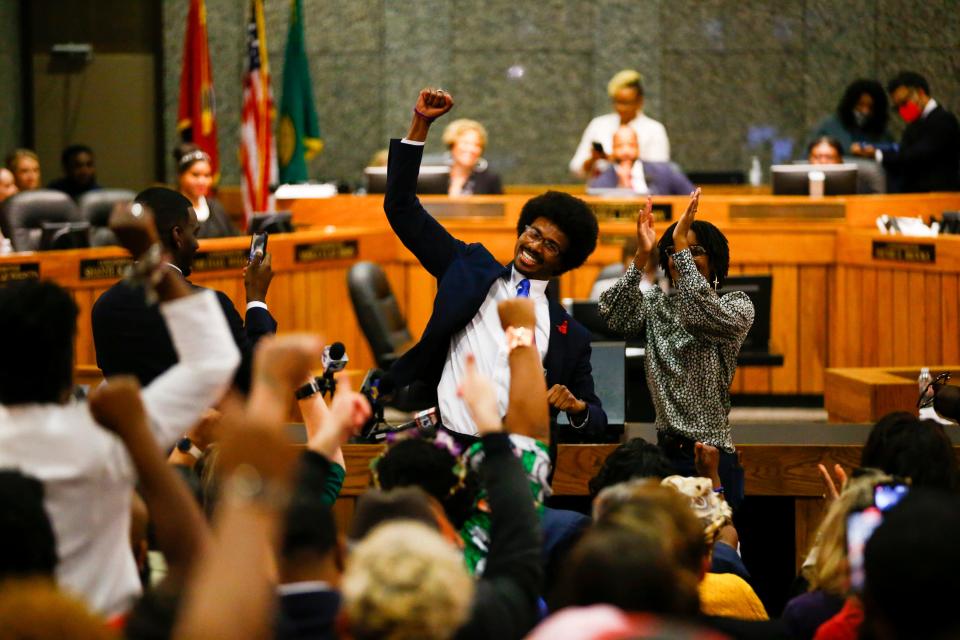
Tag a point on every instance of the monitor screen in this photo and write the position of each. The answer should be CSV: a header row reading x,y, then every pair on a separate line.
x,y
433,179
760,291
64,235
272,223
794,179
609,379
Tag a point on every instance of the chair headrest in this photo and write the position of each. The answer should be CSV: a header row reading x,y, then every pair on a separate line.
x,y
30,209
95,206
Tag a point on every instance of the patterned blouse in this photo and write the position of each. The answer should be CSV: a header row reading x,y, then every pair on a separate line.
x,y
692,337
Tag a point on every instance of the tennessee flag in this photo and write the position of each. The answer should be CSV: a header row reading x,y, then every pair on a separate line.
x,y
196,117
258,152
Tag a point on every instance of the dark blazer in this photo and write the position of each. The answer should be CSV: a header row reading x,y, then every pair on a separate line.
x,y
132,338
464,274
929,155
662,179
483,183
308,615
219,224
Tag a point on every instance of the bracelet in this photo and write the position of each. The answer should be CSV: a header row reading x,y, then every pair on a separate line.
x,y
187,446
518,337
309,389
423,115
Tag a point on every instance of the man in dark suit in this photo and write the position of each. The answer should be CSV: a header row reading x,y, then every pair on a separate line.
x,y
626,171
130,336
929,155
556,232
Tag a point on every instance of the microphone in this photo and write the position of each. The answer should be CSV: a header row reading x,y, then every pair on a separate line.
x,y
334,359
947,402
426,422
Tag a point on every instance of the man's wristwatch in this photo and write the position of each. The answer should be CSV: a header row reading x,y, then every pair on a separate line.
x,y
186,445
308,389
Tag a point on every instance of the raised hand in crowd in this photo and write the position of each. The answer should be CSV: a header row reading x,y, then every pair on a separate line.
x,y
257,276
431,104
833,489
527,413
328,429
706,460
481,398
180,528
280,365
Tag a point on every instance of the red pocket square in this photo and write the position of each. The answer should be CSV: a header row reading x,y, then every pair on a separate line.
x,y
562,327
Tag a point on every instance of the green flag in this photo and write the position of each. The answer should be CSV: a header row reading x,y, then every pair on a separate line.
x,y
299,137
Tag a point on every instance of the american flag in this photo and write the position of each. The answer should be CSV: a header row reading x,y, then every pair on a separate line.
x,y
258,151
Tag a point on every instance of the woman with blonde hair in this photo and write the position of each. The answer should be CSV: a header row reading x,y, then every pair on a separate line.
x,y
469,174
24,164
826,567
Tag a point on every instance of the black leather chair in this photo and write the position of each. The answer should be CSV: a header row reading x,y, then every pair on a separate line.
x,y
95,208
378,312
25,213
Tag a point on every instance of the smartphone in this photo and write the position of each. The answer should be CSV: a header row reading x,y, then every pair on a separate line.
x,y
258,244
887,494
599,149
860,526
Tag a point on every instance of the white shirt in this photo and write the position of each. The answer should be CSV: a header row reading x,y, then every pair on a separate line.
x,y
638,181
652,135
202,209
484,338
86,472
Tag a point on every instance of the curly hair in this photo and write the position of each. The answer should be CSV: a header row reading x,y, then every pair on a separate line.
x,y
635,458
877,122
416,462
572,216
404,581
711,239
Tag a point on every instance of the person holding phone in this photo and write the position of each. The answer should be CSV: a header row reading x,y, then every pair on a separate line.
x,y
692,336
128,333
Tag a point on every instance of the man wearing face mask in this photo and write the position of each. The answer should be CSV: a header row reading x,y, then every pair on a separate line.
x,y
929,155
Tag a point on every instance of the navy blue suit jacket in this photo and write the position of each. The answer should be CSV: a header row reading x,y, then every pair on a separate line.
x,y
464,274
662,180
131,337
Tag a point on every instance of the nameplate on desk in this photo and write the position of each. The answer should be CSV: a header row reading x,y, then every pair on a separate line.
x,y
221,260
333,250
811,211
465,209
662,211
921,252
104,268
20,271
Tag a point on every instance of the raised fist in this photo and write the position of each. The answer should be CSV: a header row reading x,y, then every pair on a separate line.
x,y
117,405
517,312
133,225
433,103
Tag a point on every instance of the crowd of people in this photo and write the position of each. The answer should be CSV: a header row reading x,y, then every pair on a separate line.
x,y
169,502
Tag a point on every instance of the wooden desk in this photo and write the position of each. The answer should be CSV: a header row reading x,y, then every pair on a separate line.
x,y
867,394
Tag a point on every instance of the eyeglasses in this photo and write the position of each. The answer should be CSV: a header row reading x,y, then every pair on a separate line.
x,y
550,247
695,250
930,391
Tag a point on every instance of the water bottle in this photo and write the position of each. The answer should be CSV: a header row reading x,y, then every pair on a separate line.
x,y
756,172
923,382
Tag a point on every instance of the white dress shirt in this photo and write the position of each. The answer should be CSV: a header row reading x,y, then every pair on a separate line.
x,y
86,472
484,338
652,135
202,209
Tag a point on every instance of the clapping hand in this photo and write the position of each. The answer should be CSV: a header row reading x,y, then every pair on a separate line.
x,y
686,221
480,395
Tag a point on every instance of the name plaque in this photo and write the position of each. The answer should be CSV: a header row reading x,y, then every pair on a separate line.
x,y
104,268
236,259
916,252
662,211
333,250
19,271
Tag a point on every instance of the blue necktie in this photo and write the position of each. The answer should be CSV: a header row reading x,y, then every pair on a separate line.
x,y
523,288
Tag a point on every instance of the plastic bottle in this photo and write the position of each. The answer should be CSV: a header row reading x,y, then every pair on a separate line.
x,y
923,381
756,172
